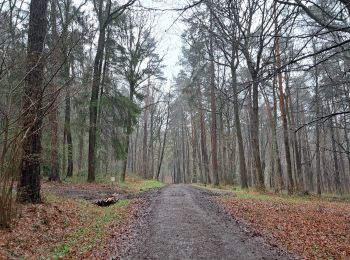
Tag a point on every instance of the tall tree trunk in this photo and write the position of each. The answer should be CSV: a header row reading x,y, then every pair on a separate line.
x,y
104,74
145,134
67,125
28,189
151,139
317,129
94,103
282,109
203,139
164,142
308,173
127,139
151,171
53,116
335,158
64,161
255,134
214,152
183,146
80,149
276,178
194,149
298,167
242,162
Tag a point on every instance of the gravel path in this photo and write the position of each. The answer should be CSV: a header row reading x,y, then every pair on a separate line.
x,y
184,222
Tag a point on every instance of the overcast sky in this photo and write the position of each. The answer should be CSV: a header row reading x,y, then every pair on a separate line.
x,y
168,33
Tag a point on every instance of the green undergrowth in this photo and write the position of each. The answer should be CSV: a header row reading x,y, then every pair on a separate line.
x,y
82,178
253,194
92,226
136,184
132,183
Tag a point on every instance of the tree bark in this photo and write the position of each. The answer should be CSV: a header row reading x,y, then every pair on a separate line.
x,y
317,129
337,183
283,111
28,189
145,133
298,167
67,125
255,135
242,162
203,139
214,152
164,142
127,139
194,150
53,116
94,103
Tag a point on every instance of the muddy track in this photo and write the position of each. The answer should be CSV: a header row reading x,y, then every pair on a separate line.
x,y
184,222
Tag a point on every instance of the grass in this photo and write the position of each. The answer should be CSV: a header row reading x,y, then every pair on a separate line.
x,y
62,228
82,178
96,222
69,228
253,194
132,183
137,184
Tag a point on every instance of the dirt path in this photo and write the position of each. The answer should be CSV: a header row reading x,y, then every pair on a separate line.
x,y
184,222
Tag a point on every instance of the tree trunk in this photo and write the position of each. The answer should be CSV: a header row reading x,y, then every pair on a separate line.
x,y
183,147
94,103
80,149
67,126
255,134
203,139
28,190
164,142
317,129
145,135
194,150
283,111
214,152
53,116
335,158
242,162
298,167
151,140
127,139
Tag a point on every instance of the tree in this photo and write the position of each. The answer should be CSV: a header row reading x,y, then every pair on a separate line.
x,y
32,112
283,105
137,62
106,14
53,116
214,152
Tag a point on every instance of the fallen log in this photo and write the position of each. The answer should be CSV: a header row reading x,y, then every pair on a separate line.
x,y
106,202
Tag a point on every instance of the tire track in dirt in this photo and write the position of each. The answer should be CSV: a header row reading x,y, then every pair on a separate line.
x,y
184,222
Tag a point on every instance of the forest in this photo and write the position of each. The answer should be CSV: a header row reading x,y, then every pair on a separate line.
x,y
101,127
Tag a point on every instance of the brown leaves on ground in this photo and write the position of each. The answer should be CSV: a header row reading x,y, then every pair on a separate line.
x,y
37,228
64,228
112,243
311,229
87,191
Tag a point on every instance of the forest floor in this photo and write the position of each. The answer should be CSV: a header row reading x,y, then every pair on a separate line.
x,y
309,226
176,222
186,222
69,225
